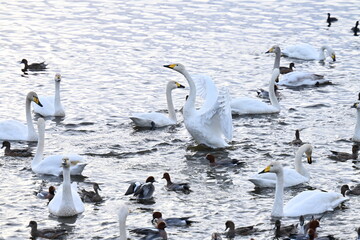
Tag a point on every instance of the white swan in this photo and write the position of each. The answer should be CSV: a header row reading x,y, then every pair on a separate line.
x,y
306,51
15,130
213,120
51,104
242,106
356,136
52,164
155,119
66,202
122,214
292,177
305,203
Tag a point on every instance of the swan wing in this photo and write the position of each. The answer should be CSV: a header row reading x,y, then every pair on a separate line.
x,y
78,203
296,79
146,119
13,130
301,51
52,165
291,178
206,89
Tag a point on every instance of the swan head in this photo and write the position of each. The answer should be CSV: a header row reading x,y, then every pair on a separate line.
x,y
330,52
356,105
66,162
274,167
274,49
173,85
57,77
177,67
33,97
308,154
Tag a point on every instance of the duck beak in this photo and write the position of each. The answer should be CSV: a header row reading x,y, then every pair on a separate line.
x,y
267,169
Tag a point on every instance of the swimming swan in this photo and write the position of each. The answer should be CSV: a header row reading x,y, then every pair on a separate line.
x,y
242,106
305,203
15,130
155,119
66,202
213,120
356,137
51,104
306,51
292,177
52,164
122,215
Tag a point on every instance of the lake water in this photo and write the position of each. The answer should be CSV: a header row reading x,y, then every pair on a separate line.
x,y
111,56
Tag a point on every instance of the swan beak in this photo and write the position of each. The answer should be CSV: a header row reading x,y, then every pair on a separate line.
x,y
270,50
170,66
333,57
178,85
355,105
267,169
37,101
309,159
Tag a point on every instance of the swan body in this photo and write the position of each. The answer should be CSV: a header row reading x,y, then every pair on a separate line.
x,y
297,79
155,119
66,202
306,203
356,136
52,164
15,130
212,123
306,51
122,215
292,177
51,104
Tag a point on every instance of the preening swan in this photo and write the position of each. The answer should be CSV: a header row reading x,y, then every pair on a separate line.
x,y
213,121
356,136
306,203
15,130
292,177
52,164
122,215
66,202
155,119
242,106
306,51
51,104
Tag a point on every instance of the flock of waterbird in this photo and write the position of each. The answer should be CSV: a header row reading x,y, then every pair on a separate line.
x,y
209,125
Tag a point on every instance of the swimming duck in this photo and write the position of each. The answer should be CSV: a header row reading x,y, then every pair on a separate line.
x,y
305,203
15,130
355,29
313,236
47,194
91,196
212,123
291,177
155,119
150,234
51,104
142,191
262,93
232,232
66,202
34,66
356,136
15,152
45,233
306,51
225,163
330,20
345,190
170,186
216,236
174,222
285,70
343,156
282,231
297,141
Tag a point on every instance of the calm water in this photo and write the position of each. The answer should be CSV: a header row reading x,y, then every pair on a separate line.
x,y
110,54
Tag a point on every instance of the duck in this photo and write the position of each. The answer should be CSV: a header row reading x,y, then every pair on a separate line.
x,y
297,141
305,203
171,222
313,236
345,190
216,236
343,156
142,191
170,186
330,20
91,196
15,152
67,201
13,130
158,233
262,93
232,232
291,177
155,119
356,137
306,51
355,29
47,194
34,66
51,104
282,231
211,125
123,212
224,163
45,233
285,70
51,165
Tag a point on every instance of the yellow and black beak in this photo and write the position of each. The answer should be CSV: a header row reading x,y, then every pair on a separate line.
x,y
170,66
267,169
178,85
355,105
271,50
37,101
333,57
309,159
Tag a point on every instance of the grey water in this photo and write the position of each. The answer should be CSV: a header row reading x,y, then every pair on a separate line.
x,y
110,55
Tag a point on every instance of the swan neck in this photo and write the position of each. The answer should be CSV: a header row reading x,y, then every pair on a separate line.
x,y
299,166
273,99
57,103
322,53
357,127
40,147
277,58
190,102
277,210
122,228
170,104
67,198
29,122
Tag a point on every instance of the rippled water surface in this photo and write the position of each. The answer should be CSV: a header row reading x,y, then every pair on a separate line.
x,y
110,54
